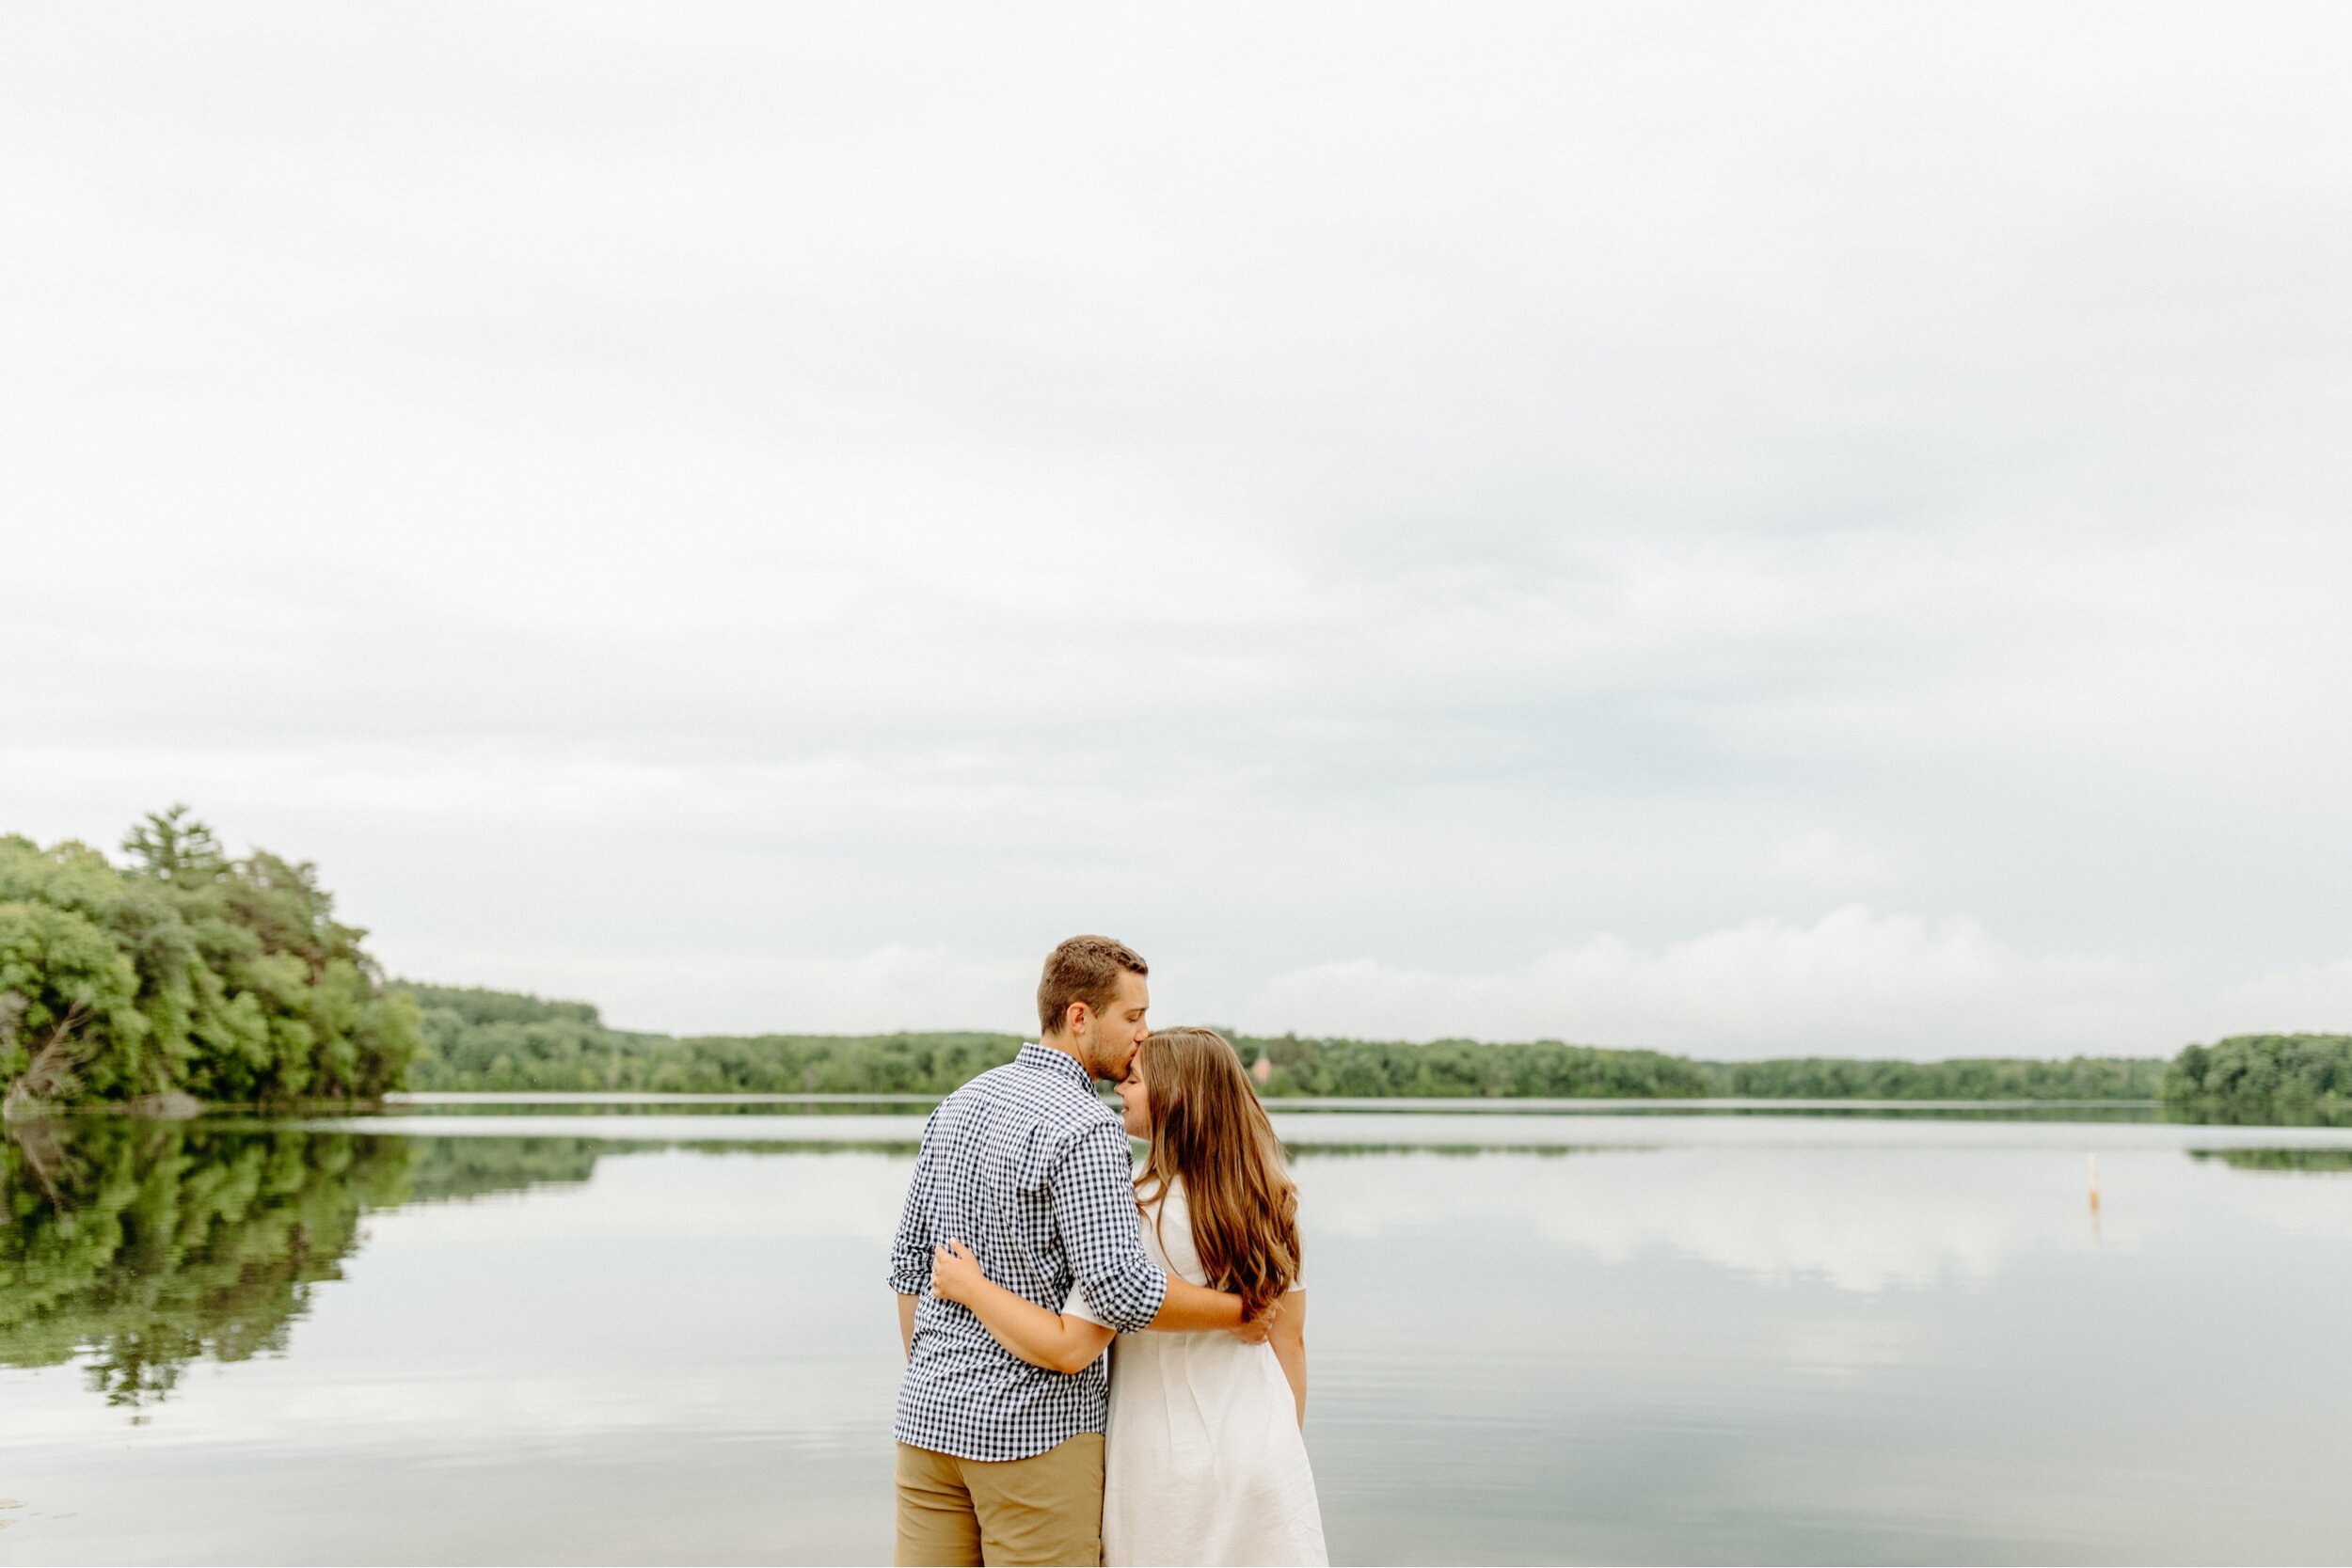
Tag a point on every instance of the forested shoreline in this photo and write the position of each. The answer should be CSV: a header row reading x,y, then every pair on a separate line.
x,y
184,976
477,1039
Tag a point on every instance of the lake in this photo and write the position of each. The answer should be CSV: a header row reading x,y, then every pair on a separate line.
x,y
647,1332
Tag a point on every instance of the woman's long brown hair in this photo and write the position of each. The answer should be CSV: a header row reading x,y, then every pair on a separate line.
x,y
1208,1128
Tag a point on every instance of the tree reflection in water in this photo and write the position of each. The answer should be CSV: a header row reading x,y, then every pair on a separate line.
x,y
2330,1161
142,1247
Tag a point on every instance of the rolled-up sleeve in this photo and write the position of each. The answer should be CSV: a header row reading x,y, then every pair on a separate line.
x,y
1094,1211
910,1248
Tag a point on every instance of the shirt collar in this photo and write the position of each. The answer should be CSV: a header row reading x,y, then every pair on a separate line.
x,y
1047,1059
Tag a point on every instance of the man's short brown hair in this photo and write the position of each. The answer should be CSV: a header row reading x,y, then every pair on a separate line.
x,y
1084,969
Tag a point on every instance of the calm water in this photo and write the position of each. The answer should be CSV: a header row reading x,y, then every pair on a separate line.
x,y
501,1334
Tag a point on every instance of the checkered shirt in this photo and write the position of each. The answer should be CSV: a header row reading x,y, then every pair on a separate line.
x,y
1032,1172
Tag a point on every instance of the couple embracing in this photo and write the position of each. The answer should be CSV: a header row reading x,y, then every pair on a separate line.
x,y
1030,1244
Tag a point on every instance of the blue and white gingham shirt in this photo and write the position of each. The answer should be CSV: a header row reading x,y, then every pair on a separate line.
x,y
1032,1172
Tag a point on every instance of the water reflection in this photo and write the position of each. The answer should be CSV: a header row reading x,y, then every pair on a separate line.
x,y
553,1104
2335,1162
2208,1115
1864,1222
142,1247
149,1246
569,1106
1630,1339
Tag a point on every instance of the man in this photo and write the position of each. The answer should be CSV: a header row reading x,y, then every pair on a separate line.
x,y
1000,1461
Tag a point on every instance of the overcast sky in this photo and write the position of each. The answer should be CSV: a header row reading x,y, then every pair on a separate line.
x,y
1738,528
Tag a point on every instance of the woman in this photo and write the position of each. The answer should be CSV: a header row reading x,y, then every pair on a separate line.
x,y
1204,1461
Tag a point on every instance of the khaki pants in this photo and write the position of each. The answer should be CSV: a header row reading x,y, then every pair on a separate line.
x,y
1046,1509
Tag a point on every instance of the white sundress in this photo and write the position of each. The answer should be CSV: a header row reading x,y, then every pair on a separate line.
x,y
1203,1462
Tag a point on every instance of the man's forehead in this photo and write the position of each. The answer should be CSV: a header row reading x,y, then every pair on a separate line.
x,y
1134,990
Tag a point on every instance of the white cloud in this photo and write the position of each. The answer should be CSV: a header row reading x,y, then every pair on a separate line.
x,y
1853,982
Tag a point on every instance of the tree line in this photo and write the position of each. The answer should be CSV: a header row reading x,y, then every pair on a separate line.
x,y
1961,1078
185,971
476,1039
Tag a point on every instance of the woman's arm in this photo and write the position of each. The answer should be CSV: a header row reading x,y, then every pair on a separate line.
x,y
1289,1341
1054,1340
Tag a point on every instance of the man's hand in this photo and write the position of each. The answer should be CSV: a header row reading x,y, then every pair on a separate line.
x,y
1255,1331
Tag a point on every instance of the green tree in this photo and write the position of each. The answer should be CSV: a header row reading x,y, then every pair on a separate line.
x,y
243,986
68,1006
2290,1077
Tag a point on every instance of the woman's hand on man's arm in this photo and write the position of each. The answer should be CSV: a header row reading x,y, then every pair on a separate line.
x,y
1055,1340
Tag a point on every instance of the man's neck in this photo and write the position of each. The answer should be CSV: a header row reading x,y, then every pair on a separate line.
x,y
1053,1042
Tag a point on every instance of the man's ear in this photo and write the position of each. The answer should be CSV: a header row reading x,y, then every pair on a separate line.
x,y
1072,1017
